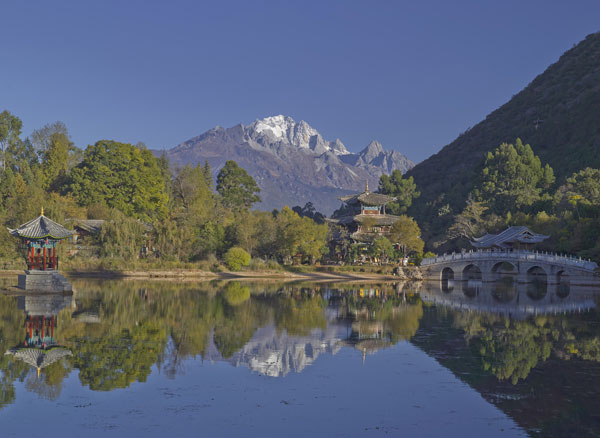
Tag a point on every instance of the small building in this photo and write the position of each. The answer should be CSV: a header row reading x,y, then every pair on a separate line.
x,y
365,217
513,238
41,235
83,228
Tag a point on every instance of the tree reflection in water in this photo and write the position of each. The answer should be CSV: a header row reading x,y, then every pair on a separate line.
x,y
119,330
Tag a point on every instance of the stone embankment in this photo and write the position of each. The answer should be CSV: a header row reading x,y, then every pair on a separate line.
x,y
409,274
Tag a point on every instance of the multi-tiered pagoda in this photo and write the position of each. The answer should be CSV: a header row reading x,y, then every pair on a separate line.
x,y
365,218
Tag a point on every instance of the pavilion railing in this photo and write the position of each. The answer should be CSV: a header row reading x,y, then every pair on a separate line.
x,y
519,255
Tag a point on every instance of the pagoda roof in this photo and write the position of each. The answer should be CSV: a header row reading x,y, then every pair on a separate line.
x,y
509,236
380,219
367,198
40,228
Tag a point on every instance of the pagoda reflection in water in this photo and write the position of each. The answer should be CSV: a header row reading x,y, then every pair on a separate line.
x,y
39,348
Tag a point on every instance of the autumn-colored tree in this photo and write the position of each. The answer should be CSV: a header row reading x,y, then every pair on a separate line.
x,y
407,235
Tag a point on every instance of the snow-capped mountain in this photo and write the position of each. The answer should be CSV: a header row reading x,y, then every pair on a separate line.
x,y
291,162
302,135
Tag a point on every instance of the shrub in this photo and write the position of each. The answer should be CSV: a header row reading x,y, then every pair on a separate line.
x,y
237,257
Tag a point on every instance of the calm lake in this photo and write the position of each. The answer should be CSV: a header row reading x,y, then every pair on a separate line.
x,y
156,358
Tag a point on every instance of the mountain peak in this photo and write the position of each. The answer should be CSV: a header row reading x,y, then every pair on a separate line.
x,y
279,126
372,151
302,135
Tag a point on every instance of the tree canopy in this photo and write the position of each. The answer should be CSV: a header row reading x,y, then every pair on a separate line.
x,y
122,176
407,235
403,189
513,177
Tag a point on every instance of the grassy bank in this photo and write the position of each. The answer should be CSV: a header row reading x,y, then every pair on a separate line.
x,y
152,268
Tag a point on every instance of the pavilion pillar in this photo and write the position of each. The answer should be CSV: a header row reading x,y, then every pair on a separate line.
x,y
52,327
54,257
44,265
43,326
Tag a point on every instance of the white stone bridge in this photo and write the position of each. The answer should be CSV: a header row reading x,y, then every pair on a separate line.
x,y
524,266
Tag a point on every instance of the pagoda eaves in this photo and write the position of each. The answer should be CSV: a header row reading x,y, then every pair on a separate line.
x,y
41,228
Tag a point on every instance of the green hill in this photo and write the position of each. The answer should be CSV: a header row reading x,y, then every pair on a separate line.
x,y
558,114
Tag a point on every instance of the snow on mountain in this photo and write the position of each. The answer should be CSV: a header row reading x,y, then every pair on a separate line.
x,y
302,135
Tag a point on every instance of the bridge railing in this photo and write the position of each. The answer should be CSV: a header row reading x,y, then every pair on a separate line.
x,y
517,255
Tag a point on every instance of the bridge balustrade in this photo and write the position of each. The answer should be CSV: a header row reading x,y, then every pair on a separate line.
x,y
513,255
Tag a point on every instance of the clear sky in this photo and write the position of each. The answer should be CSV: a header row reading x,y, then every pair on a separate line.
x,y
411,74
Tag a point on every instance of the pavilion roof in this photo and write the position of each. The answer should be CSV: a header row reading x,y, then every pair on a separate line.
x,y
38,357
40,228
509,236
367,198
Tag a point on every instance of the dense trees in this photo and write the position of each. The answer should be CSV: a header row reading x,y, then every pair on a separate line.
x,y
515,188
122,176
184,216
513,178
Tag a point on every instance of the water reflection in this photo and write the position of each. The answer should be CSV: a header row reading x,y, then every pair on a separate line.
x,y
39,348
507,297
115,333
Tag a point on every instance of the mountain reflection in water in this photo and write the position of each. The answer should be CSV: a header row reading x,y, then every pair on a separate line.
x,y
531,351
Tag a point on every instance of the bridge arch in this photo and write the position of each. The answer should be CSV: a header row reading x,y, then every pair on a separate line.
x,y
472,272
447,280
537,273
562,276
564,285
504,267
537,283
447,274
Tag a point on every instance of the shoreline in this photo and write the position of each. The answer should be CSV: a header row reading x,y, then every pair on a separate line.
x,y
189,275
192,274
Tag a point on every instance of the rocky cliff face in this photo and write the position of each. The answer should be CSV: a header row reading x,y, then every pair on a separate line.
x,y
291,162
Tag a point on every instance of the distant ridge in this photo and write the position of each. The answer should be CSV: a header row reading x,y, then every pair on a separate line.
x,y
291,162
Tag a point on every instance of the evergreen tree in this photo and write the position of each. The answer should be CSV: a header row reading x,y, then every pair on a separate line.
x,y
403,189
238,190
207,172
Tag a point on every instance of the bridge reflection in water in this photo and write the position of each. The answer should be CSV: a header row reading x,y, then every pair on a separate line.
x,y
508,297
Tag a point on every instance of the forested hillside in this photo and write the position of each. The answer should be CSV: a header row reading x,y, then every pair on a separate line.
x,y
557,114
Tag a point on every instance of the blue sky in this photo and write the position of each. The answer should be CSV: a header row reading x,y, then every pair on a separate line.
x,y
412,75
